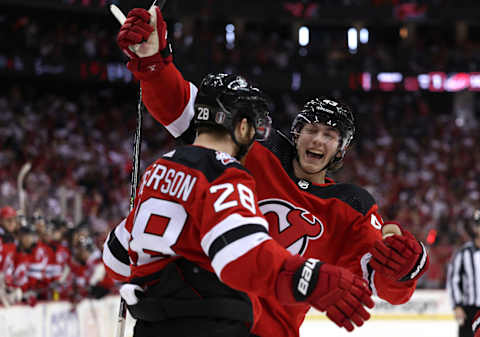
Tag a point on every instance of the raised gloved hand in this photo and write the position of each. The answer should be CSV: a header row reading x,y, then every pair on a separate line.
x,y
335,290
399,257
476,325
143,37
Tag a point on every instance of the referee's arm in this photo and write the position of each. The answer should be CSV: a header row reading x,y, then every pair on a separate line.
x,y
454,279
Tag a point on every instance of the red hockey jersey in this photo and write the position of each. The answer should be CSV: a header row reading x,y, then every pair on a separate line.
x,y
8,250
199,204
335,223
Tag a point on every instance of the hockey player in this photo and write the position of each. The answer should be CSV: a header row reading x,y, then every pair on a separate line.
x,y
196,221
8,249
90,279
8,222
23,277
59,270
309,214
8,218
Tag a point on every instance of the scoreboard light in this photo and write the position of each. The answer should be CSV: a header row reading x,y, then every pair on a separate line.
x,y
435,81
303,36
352,39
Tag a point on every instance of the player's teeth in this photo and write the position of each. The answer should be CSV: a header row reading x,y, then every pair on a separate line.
x,y
317,155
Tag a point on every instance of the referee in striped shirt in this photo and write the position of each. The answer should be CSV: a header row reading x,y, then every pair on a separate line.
x,y
463,280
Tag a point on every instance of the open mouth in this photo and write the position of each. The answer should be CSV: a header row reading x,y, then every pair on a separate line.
x,y
315,155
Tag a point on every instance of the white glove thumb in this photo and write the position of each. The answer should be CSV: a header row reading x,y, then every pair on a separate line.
x,y
129,293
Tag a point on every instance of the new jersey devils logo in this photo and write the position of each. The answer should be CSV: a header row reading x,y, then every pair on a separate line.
x,y
291,226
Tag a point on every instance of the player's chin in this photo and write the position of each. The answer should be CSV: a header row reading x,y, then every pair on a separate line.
x,y
311,166
311,169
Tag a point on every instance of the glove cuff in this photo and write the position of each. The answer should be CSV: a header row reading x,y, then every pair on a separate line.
x,y
297,279
305,279
146,68
420,266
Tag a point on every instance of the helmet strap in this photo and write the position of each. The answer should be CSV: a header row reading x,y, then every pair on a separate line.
x,y
242,148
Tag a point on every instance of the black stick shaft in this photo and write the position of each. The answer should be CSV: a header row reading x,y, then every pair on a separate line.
x,y
122,311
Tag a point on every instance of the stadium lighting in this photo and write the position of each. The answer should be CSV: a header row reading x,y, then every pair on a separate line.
x,y
364,35
352,37
178,30
230,35
303,36
296,81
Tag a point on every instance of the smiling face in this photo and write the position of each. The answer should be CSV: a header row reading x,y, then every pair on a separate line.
x,y
317,144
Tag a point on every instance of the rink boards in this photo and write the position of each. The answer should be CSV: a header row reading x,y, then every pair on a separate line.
x,y
427,314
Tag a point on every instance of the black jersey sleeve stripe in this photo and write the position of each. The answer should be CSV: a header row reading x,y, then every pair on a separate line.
x,y
233,235
116,248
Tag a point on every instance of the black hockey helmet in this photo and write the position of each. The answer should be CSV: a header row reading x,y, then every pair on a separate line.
x,y
27,226
329,112
476,217
224,99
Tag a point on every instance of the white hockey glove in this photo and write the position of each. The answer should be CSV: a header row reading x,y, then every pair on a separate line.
x,y
131,293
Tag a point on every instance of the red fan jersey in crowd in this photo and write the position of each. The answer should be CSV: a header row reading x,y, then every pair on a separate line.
x,y
7,256
83,272
21,276
335,223
187,201
43,257
79,284
60,270
61,259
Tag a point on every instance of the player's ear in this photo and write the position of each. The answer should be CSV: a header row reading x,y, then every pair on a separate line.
x,y
245,130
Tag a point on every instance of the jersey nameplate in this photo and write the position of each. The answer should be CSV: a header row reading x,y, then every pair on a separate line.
x,y
169,181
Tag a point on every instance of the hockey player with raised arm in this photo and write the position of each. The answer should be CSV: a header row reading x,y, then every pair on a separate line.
x,y
196,223
308,213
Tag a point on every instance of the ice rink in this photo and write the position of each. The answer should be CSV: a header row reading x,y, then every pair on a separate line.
x,y
382,328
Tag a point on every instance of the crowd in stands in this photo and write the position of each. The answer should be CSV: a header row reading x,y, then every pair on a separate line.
x,y
200,44
411,152
47,259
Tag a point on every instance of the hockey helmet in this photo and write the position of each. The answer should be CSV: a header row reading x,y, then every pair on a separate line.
x,y
224,99
7,212
332,113
476,217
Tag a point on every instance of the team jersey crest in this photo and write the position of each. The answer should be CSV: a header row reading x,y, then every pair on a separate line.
x,y
291,226
225,158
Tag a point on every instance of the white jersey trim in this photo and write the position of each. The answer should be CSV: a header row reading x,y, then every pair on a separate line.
x,y
230,222
178,126
236,249
368,272
122,234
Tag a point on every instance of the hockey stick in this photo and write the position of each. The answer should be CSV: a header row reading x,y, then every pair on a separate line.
x,y
21,191
122,312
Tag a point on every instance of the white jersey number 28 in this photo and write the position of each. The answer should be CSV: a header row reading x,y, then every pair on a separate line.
x,y
157,226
